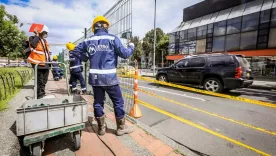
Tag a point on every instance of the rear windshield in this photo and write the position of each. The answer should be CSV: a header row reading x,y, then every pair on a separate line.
x,y
243,61
221,60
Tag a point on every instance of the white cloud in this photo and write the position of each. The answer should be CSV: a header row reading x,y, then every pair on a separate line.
x,y
66,21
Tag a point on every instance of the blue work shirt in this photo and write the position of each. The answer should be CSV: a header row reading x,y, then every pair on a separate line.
x,y
75,62
55,65
103,50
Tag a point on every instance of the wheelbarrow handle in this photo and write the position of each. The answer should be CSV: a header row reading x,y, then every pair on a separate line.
x,y
35,77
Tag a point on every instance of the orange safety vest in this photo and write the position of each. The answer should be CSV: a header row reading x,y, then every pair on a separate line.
x,y
39,54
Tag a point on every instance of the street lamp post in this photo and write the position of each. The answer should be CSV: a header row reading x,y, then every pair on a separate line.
x,y
154,42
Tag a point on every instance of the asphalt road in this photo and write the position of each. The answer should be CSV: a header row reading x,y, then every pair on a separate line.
x,y
251,127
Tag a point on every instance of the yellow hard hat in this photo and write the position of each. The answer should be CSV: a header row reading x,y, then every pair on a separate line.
x,y
70,46
55,57
99,19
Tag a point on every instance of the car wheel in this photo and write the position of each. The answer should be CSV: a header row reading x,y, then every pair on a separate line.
x,y
213,85
163,78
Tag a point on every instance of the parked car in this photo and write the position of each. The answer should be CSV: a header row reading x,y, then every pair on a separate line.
x,y
215,72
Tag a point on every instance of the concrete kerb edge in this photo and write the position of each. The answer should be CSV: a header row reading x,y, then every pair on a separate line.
x,y
157,135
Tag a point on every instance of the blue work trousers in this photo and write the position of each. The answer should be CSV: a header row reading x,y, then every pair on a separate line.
x,y
116,97
74,78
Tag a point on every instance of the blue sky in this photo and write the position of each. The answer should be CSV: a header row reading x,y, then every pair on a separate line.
x,y
66,19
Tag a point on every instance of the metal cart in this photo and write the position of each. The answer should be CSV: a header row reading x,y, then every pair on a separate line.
x,y
40,119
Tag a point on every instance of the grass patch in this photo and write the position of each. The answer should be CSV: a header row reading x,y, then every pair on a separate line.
x,y
18,84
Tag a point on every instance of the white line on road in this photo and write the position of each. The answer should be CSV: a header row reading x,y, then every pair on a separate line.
x,y
183,95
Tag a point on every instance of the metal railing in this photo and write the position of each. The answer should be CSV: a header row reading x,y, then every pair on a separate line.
x,y
10,81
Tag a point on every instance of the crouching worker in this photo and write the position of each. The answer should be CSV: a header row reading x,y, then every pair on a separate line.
x,y
103,50
76,69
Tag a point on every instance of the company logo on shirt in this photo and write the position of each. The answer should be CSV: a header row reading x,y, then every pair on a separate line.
x,y
92,48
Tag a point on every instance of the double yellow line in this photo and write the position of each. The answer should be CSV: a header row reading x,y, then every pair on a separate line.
x,y
198,126
201,127
209,113
256,102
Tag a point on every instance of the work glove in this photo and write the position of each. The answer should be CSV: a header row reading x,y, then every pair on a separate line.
x,y
131,45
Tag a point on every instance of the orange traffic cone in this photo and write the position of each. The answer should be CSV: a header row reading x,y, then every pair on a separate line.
x,y
135,112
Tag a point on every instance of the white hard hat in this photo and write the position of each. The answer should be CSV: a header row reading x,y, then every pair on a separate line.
x,y
45,28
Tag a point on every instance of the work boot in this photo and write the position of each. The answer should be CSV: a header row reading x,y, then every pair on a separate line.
x,y
101,125
122,128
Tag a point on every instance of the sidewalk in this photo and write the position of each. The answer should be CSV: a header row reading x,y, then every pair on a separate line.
x,y
137,143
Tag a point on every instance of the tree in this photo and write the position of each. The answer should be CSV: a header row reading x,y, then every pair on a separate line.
x,y
162,46
162,42
11,39
137,50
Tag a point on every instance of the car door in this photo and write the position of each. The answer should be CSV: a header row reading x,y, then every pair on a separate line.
x,y
195,70
176,73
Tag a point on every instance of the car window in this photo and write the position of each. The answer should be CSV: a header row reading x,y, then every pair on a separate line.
x,y
243,61
197,62
182,64
221,61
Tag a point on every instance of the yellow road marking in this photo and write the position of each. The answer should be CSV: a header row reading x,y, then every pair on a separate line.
x,y
266,104
209,113
202,128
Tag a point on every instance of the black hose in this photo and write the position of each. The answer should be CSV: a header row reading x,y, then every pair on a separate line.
x,y
102,140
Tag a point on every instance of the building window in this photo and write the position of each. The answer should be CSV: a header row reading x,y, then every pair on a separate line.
x,y
210,28
250,22
218,44
190,47
191,34
248,40
201,32
197,62
234,25
264,19
201,46
262,38
182,48
272,38
273,18
219,28
183,36
233,42
171,49
172,38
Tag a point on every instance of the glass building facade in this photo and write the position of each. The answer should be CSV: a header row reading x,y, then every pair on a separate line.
x,y
250,26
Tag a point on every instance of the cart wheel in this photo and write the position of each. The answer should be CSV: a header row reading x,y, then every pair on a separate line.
x,y
37,151
77,140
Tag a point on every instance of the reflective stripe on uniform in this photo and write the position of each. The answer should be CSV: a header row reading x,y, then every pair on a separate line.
x,y
75,66
83,89
39,52
103,71
101,38
29,58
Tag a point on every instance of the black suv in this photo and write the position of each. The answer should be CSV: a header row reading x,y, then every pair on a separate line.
x,y
215,72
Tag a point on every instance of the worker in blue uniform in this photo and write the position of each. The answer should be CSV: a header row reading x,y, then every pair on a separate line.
x,y
76,69
103,50
56,69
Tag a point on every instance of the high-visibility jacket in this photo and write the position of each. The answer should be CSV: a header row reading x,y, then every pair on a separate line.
x,y
103,50
40,53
